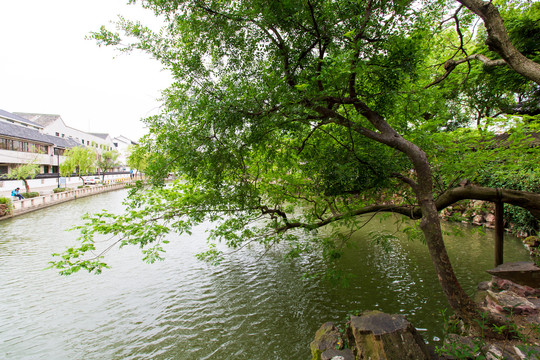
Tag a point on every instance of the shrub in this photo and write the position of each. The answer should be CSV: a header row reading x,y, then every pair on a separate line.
x,y
6,207
57,190
29,195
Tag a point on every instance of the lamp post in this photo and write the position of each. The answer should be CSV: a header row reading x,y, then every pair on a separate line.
x,y
58,163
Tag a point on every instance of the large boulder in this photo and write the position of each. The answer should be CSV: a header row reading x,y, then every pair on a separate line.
x,y
523,273
509,302
377,335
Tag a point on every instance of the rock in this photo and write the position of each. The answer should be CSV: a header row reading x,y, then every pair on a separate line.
x,y
490,218
509,302
3,210
332,354
461,347
484,285
502,350
377,335
454,343
521,290
326,338
478,220
532,241
522,273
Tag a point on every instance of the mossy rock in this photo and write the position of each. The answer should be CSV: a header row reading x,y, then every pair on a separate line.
x,y
327,337
532,241
377,335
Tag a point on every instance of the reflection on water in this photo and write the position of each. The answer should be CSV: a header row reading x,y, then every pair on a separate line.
x,y
246,308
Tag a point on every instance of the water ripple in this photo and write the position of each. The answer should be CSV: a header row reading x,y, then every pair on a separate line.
x,y
246,308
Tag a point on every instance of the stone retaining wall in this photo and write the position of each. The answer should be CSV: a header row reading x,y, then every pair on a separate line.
x,y
40,202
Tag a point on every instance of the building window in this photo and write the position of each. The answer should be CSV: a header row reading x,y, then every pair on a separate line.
x,y
83,142
57,134
3,169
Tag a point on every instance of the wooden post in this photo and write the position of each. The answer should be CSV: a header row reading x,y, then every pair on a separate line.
x,y
499,232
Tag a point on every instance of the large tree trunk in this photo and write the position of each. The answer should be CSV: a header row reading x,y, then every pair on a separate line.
x,y
430,224
26,186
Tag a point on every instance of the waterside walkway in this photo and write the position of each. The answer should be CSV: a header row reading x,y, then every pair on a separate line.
x,y
27,205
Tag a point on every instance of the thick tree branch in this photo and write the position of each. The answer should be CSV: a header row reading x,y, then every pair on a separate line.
x,y
451,64
523,199
499,41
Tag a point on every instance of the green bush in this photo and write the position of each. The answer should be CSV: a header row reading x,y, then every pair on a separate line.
x,y
9,206
29,195
57,190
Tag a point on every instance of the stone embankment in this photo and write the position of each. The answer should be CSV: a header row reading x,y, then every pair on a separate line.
x,y
482,213
476,212
513,295
24,206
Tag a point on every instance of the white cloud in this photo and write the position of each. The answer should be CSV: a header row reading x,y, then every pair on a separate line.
x,y
47,66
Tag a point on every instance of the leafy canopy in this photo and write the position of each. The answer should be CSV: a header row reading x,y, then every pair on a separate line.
x,y
282,120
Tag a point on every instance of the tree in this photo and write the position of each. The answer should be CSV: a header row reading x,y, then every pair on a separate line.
x,y
24,172
137,158
107,161
294,116
79,160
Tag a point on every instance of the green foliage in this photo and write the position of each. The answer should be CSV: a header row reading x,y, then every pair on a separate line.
x,y
477,347
277,124
9,205
24,172
28,195
57,190
138,157
107,161
79,160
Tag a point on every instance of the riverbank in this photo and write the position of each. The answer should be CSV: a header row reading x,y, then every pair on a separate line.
x,y
49,199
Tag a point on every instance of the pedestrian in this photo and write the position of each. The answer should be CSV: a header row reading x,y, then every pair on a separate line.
x,y
17,194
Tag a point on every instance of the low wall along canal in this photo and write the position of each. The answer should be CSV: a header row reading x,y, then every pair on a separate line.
x,y
39,202
248,307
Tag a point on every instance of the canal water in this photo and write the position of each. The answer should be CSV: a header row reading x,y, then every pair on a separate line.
x,y
249,307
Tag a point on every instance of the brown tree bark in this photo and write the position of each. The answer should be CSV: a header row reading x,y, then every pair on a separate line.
x,y
430,224
499,41
524,199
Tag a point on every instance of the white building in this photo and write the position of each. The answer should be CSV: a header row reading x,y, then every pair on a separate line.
x,y
43,138
54,125
122,145
23,141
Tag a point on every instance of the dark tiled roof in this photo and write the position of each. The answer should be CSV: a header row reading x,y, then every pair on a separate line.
x,y
18,118
101,135
63,142
23,132
41,119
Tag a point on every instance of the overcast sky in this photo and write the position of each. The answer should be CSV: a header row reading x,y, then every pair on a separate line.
x,y
47,66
